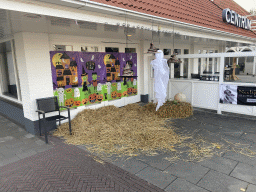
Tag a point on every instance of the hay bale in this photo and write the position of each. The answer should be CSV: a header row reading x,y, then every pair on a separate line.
x,y
128,131
171,109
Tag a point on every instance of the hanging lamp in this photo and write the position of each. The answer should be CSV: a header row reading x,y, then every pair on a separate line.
x,y
152,49
173,58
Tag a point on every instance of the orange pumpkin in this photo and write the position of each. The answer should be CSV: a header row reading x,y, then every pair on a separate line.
x,y
92,98
119,94
69,90
134,91
114,95
125,93
129,91
100,97
77,103
69,102
85,101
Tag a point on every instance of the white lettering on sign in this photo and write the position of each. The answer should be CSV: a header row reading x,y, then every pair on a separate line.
x,y
232,17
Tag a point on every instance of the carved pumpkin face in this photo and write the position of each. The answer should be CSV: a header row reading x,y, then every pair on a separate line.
x,y
100,97
85,101
125,93
119,94
92,98
69,102
129,91
114,95
69,90
134,91
77,103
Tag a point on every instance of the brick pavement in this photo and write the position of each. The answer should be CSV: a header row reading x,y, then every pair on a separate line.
x,y
68,168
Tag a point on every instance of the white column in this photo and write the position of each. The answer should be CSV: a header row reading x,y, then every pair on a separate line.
x,y
34,68
181,67
254,63
202,64
195,66
207,64
213,63
218,64
220,82
190,62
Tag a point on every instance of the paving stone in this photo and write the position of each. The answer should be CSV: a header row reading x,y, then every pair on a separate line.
x,y
26,154
249,136
181,185
220,164
157,161
251,188
245,172
190,171
232,132
131,165
9,160
158,178
7,138
235,140
219,182
240,157
29,135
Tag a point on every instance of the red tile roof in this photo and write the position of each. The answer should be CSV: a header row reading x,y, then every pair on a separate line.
x,y
205,13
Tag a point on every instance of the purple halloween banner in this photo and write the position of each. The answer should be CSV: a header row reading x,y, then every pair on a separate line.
x,y
89,77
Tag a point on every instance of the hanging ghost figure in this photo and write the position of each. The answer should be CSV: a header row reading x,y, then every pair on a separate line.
x,y
161,74
76,93
99,87
92,57
119,87
62,96
134,82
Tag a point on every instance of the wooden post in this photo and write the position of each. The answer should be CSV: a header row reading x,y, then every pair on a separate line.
x,y
234,77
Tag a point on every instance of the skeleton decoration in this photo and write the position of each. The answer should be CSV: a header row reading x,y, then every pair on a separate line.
x,y
161,74
62,96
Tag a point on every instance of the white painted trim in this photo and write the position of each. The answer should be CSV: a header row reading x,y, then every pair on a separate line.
x,y
15,70
11,99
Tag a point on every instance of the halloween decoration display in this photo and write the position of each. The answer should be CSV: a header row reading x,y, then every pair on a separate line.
x,y
84,78
161,74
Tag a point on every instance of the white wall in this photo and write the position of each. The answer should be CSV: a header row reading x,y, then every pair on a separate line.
x,y
33,63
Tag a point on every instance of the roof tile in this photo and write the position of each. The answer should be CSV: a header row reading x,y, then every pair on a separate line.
x,y
203,13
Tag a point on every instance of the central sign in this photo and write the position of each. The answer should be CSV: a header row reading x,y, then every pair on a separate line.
x,y
233,18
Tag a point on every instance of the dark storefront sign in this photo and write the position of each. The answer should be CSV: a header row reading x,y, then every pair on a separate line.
x,y
233,18
238,95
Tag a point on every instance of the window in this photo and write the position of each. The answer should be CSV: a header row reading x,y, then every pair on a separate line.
x,y
63,47
130,50
89,49
111,49
8,71
167,51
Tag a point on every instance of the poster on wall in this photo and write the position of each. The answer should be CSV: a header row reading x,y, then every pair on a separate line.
x,y
238,95
84,78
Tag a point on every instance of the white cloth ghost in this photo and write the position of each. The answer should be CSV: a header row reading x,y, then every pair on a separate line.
x,y
119,87
62,96
134,82
76,93
161,74
99,87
